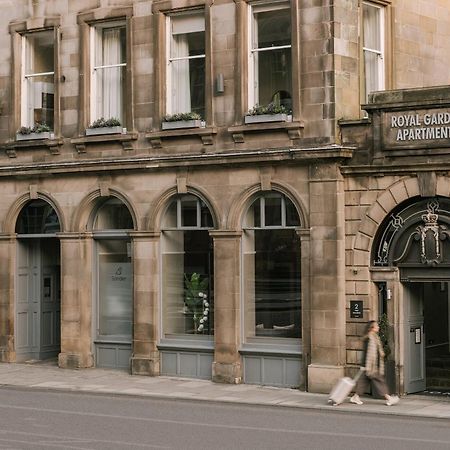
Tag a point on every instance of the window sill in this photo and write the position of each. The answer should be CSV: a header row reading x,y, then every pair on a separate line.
x,y
44,141
293,129
267,348
124,139
206,346
206,135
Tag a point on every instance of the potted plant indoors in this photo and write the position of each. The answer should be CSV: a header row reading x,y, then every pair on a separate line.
x,y
38,131
182,120
269,113
196,301
105,126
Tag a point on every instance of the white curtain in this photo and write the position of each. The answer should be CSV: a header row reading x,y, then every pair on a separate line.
x,y
181,89
109,79
372,45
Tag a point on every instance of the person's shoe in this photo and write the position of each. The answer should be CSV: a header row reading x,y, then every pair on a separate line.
x,y
392,400
356,400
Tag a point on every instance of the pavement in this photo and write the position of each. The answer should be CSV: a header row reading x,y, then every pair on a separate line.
x,y
48,376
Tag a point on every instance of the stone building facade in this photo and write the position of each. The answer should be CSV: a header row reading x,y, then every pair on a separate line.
x,y
192,187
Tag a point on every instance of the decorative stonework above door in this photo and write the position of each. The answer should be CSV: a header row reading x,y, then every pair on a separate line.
x,y
415,234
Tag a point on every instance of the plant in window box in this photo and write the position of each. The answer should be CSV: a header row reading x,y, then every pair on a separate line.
x,y
270,113
196,300
38,131
105,126
182,120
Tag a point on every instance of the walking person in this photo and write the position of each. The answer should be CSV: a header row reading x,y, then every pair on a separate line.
x,y
373,367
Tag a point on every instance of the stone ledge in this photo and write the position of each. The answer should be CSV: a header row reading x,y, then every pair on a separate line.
x,y
293,129
52,145
123,139
206,135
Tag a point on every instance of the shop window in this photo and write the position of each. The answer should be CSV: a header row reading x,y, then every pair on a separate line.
x,y
271,263
38,217
187,269
373,36
186,64
38,73
108,71
115,289
270,59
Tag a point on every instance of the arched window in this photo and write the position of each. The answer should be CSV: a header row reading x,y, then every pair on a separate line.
x,y
271,270
112,214
187,269
37,217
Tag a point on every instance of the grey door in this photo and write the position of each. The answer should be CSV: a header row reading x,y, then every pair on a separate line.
x,y
38,299
415,378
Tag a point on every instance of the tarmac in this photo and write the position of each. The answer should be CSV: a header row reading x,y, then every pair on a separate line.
x,y
48,376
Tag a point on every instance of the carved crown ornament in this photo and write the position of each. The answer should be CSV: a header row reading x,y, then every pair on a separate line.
x,y
416,235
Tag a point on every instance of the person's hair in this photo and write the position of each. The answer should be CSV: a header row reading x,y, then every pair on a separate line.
x,y
370,325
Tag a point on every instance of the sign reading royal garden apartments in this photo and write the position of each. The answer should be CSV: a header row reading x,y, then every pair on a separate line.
x,y
421,128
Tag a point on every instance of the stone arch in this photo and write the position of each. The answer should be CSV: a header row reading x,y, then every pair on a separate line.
x,y
397,193
240,205
81,217
9,225
159,206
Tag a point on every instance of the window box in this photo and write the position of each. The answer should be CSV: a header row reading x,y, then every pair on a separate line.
x,y
268,118
34,136
177,124
104,130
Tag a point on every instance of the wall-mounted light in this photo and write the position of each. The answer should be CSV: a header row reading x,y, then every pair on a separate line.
x,y
220,87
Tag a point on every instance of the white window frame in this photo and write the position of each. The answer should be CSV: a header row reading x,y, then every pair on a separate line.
x,y
94,39
170,59
252,24
24,119
380,53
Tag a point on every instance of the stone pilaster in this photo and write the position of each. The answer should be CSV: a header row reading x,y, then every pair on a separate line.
x,y
7,297
76,300
145,359
327,269
227,366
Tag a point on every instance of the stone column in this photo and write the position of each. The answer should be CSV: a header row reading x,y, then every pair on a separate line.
x,y
227,366
8,271
327,272
76,300
145,359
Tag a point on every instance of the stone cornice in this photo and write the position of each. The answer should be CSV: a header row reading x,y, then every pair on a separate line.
x,y
297,155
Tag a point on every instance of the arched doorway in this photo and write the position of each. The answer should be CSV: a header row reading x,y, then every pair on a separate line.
x,y
415,237
38,293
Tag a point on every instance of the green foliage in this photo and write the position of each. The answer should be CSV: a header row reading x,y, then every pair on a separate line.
x,y
195,292
271,108
103,123
37,128
182,116
383,323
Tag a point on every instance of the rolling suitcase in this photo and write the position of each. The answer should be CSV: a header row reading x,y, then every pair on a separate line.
x,y
342,389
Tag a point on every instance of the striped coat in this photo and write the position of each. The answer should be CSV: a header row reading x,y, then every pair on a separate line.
x,y
374,355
